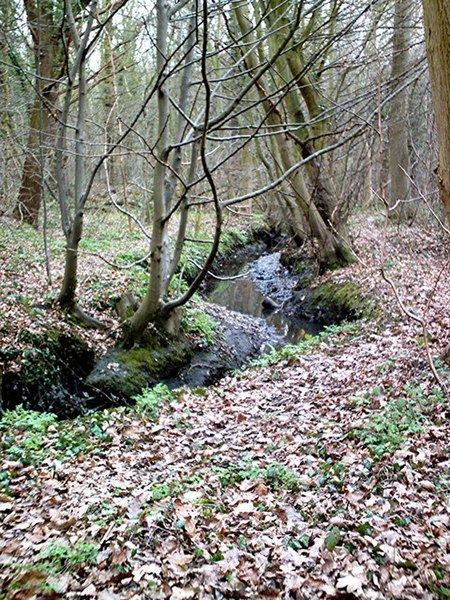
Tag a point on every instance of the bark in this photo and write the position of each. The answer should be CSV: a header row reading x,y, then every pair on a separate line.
x,y
320,211
155,308
399,159
49,59
159,259
74,230
50,42
29,198
437,35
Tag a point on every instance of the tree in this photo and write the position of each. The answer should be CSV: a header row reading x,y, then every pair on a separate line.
x,y
214,86
297,78
49,33
437,36
399,160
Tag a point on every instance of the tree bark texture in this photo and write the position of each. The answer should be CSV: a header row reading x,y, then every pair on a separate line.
x,y
49,59
399,162
437,35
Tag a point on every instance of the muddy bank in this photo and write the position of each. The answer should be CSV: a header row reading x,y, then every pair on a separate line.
x,y
182,360
239,338
261,306
52,374
60,374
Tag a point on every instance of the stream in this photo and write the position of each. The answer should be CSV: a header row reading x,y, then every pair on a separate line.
x,y
264,288
261,295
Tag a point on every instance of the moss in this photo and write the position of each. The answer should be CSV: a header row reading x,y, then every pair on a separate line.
x,y
334,302
53,366
122,374
343,256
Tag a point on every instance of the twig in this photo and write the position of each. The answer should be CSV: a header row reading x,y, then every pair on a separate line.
x,y
422,323
221,277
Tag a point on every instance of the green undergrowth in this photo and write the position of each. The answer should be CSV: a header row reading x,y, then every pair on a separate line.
x,y
292,352
150,401
56,556
276,476
42,575
29,437
387,429
197,323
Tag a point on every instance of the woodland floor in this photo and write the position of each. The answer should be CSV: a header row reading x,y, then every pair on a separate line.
x,y
322,475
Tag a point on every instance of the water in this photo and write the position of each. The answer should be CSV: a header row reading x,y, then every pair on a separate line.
x,y
265,279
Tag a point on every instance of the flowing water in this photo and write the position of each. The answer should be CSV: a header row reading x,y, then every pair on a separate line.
x,y
264,288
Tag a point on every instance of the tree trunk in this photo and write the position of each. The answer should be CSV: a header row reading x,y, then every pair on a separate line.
x,y
399,160
67,296
30,192
159,246
49,60
319,210
74,231
437,35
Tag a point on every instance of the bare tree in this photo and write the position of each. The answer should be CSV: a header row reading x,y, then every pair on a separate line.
x,y
437,35
49,35
399,159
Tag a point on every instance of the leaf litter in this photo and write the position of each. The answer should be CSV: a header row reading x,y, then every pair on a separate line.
x,y
321,476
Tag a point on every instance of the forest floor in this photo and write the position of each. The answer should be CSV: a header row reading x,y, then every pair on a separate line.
x,y
321,471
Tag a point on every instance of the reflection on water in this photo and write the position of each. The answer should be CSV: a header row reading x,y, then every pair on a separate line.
x,y
264,278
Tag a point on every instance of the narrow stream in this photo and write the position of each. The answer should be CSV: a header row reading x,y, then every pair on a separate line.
x,y
264,289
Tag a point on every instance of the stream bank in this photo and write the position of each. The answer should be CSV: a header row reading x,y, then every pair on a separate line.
x,y
260,306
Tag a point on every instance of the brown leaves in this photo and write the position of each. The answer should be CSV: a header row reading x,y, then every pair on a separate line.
x,y
200,510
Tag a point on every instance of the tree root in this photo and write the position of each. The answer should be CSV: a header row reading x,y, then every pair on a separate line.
x,y
83,318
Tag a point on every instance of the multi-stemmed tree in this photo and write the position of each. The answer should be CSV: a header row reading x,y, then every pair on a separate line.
x,y
278,85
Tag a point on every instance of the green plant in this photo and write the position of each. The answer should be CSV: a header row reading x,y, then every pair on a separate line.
x,y
333,474
388,429
83,435
333,538
150,400
27,437
417,395
280,477
165,490
237,472
58,556
367,398
29,420
5,482
199,324
292,352
25,430
275,475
